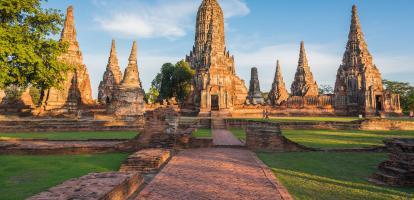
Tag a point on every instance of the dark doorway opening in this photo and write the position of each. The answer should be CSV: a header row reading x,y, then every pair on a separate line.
x,y
378,101
215,103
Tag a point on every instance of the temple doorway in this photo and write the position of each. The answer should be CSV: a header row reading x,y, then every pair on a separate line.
x,y
378,101
215,103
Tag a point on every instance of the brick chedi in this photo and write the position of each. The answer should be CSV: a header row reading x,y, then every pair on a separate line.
x,y
128,97
111,78
255,95
358,86
216,85
76,89
278,94
304,84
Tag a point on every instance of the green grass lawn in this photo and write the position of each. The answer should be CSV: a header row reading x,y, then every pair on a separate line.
x,y
72,135
330,176
341,138
25,176
203,133
307,119
239,133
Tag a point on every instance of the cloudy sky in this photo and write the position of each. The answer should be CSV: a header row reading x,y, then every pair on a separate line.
x,y
258,32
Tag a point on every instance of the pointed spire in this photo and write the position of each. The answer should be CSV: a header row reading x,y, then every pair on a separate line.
x,y
303,60
131,76
113,64
133,55
278,93
69,30
304,84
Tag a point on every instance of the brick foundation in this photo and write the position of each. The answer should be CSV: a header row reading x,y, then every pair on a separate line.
x,y
95,186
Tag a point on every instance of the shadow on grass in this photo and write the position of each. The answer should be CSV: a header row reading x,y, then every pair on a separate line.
x,y
317,175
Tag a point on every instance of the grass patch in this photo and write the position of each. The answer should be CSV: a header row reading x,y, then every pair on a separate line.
x,y
343,138
72,135
203,133
25,176
239,133
307,119
329,176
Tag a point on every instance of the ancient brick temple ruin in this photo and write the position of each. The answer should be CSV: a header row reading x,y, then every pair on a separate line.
x,y
278,94
111,78
76,89
358,87
304,85
255,95
216,85
128,96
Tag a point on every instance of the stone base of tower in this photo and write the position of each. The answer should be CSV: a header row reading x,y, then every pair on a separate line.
x,y
127,102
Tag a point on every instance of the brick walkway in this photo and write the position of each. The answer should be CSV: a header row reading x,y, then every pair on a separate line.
x,y
222,137
215,173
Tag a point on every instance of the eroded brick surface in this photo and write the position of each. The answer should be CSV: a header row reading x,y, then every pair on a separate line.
x,y
214,173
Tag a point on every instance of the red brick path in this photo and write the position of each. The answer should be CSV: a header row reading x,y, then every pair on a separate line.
x,y
215,173
222,137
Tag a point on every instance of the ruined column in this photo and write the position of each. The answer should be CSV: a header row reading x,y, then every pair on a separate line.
x,y
76,89
111,78
128,97
255,95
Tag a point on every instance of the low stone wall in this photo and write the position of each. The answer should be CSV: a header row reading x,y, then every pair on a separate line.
x,y
385,124
64,125
243,123
257,111
146,161
398,170
268,137
367,124
194,122
95,186
51,147
201,142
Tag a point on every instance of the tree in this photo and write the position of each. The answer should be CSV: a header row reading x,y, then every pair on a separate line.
x,y
28,54
406,92
326,89
174,81
152,95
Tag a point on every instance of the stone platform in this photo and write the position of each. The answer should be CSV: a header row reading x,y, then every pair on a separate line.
x,y
95,186
146,161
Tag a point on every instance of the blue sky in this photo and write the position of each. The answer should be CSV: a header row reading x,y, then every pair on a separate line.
x,y
257,33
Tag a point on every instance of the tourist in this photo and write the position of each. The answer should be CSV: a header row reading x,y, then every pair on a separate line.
x,y
411,114
267,114
264,113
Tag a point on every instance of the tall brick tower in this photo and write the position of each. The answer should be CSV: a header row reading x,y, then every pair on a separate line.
x,y
216,85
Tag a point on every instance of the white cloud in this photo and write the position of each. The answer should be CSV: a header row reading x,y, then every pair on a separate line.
x,y
234,8
164,18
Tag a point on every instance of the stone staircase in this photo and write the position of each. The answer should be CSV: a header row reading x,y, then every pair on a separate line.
x,y
146,161
218,123
399,169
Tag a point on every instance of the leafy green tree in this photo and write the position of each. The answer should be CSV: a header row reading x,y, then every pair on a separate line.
x,y
28,54
406,92
326,89
152,95
174,81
